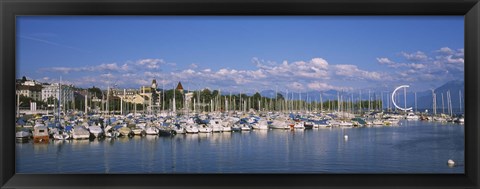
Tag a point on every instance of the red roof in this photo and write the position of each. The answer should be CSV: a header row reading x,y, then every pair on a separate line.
x,y
179,86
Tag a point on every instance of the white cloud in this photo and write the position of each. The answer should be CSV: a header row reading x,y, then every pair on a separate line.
x,y
319,63
107,76
109,67
315,68
142,82
189,71
352,71
460,53
314,74
442,65
416,56
193,66
385,61
325,87
455,60
150,63
445,50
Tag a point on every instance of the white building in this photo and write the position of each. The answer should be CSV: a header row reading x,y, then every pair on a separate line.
x,y
30,83
52,90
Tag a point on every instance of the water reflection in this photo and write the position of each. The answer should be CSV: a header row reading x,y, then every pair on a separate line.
x,y
40,148
420,147
261,134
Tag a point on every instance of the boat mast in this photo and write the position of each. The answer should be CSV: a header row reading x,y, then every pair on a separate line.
x,y
369,100
18,104
415,101
86,102
434,103
59,98
174,105
460,102
449,102
163,95
405,99
321,103
443,106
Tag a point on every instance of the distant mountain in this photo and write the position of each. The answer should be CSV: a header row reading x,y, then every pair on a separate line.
x,y
424,98
426,101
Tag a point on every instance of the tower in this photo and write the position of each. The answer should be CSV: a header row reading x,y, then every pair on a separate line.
x,y
180,87
154,84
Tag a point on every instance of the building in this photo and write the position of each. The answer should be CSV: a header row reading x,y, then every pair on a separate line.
x,y
31,83
124,92
53,89
34,92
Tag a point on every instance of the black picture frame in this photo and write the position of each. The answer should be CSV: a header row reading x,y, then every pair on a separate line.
x,y
11,8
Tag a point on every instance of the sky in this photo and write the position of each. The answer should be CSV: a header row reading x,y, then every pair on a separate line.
x,y
243,53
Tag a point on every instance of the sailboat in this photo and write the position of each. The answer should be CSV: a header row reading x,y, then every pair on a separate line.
x,y
59,134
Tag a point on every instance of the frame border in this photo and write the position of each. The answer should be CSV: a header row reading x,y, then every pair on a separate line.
x,y
11,8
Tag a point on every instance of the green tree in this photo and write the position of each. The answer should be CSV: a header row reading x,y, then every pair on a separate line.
x,y
255,98
206,96
280,96
95,91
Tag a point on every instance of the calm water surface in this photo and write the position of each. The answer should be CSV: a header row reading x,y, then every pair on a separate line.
x,y
412,147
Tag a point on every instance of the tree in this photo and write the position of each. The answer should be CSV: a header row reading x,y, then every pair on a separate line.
x,y
25,102
24,79
96,91
256,97
215,93
280,96
206,95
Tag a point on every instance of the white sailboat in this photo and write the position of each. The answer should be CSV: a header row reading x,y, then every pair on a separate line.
x,y
216,125
191,128
260,125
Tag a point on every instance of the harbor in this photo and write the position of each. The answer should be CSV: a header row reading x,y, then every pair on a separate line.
x,y
310,139
185,112
234,94
410,147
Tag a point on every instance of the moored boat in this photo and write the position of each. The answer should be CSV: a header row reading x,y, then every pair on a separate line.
x,y
412,116
61,135
299,125
204,129
191,129
216,125
40,134
96,131
308,124
151,130
80,132
23,135
279,124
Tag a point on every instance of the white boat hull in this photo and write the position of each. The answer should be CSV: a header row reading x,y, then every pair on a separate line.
x,y
22,134
81,136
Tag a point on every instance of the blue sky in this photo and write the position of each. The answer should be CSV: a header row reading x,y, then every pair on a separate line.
x,y
246,54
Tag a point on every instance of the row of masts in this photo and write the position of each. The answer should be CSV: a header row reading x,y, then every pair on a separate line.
x,y
242,102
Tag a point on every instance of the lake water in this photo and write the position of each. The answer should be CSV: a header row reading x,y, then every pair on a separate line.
x,y
411,147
